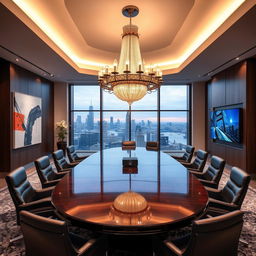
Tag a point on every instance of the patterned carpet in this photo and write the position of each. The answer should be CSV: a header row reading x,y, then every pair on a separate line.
x,y
9,229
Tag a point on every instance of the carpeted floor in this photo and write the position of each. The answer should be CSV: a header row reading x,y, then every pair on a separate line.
x,y
9,229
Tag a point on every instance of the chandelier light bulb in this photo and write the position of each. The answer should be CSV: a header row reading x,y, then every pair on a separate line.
x,y
127,65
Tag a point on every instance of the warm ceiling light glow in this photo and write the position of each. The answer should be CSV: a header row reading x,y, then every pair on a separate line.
x,y
128,79
36,16
31,9
210,28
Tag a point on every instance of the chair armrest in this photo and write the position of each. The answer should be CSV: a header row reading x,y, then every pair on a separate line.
x,y
187,165
173,248
86,246
45,192
213,193
209,183
196,173
51,183
60,175
98,245
222,205
190,169
66,170
72,164
178,157
81,157
42,203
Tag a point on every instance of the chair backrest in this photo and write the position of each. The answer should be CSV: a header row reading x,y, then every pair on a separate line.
x,y
19,187
59,159
188,153
236,187
44,169
153,145
200,160
128,144
45,236
215,169
216,235
72,155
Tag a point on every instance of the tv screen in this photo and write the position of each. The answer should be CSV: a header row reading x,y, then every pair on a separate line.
x,y
212,126
225,125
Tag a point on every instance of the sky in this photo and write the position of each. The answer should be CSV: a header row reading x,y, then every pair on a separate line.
x,y
172,98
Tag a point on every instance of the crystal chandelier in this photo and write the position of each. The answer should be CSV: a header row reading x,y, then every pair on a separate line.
x,y
129,79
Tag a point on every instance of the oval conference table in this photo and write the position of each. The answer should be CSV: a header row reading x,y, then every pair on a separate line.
x,y
85,195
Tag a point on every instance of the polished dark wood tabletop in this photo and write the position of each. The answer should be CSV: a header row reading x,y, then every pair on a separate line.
x,y
174,195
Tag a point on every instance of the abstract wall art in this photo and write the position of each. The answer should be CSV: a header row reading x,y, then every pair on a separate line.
x,y
27,120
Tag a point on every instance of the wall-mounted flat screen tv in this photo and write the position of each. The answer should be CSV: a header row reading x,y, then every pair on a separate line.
x,y
226,125
212,126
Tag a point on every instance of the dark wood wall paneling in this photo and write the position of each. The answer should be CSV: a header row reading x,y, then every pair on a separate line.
x,y
251,117
5,124
23,81
235,86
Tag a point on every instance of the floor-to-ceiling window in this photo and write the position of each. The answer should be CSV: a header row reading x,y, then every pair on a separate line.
x,y
100,120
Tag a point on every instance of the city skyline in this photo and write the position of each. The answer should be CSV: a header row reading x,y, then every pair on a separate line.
x,y
115,123
86,134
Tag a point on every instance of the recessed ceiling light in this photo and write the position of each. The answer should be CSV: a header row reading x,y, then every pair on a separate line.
x,y
237,58
51,75
17,60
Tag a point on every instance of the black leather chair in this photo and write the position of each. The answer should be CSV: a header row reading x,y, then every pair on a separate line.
x,y
212,175
199,162
216,236
152,146
24,196
60,161
128,145
72,155
187,156
44,236
47,175
232,195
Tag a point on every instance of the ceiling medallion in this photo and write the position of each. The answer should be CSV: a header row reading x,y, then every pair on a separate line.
x,y
129,79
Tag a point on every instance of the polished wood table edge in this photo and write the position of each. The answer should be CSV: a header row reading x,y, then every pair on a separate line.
x,y
142,229
133,229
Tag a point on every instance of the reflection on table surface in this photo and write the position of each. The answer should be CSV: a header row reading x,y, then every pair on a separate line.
x,y
88,192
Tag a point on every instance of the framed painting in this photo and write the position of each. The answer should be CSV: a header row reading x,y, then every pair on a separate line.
x,y
27,120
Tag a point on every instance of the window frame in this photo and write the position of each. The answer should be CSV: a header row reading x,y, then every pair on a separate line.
x,y
158,111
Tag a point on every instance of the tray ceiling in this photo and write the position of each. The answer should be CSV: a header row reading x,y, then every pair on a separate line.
x,y
87,34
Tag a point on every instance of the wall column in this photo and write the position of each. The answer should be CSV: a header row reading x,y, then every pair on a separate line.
x,y
60,106
198,99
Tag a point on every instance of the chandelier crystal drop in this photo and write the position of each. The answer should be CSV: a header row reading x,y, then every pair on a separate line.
x,y
129,79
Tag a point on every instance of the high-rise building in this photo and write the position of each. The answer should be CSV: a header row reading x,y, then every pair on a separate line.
x,y
149,124
90,119
140,138
78,124
111,125
88,139
127,126
133,127
105,129
118,124
164,140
